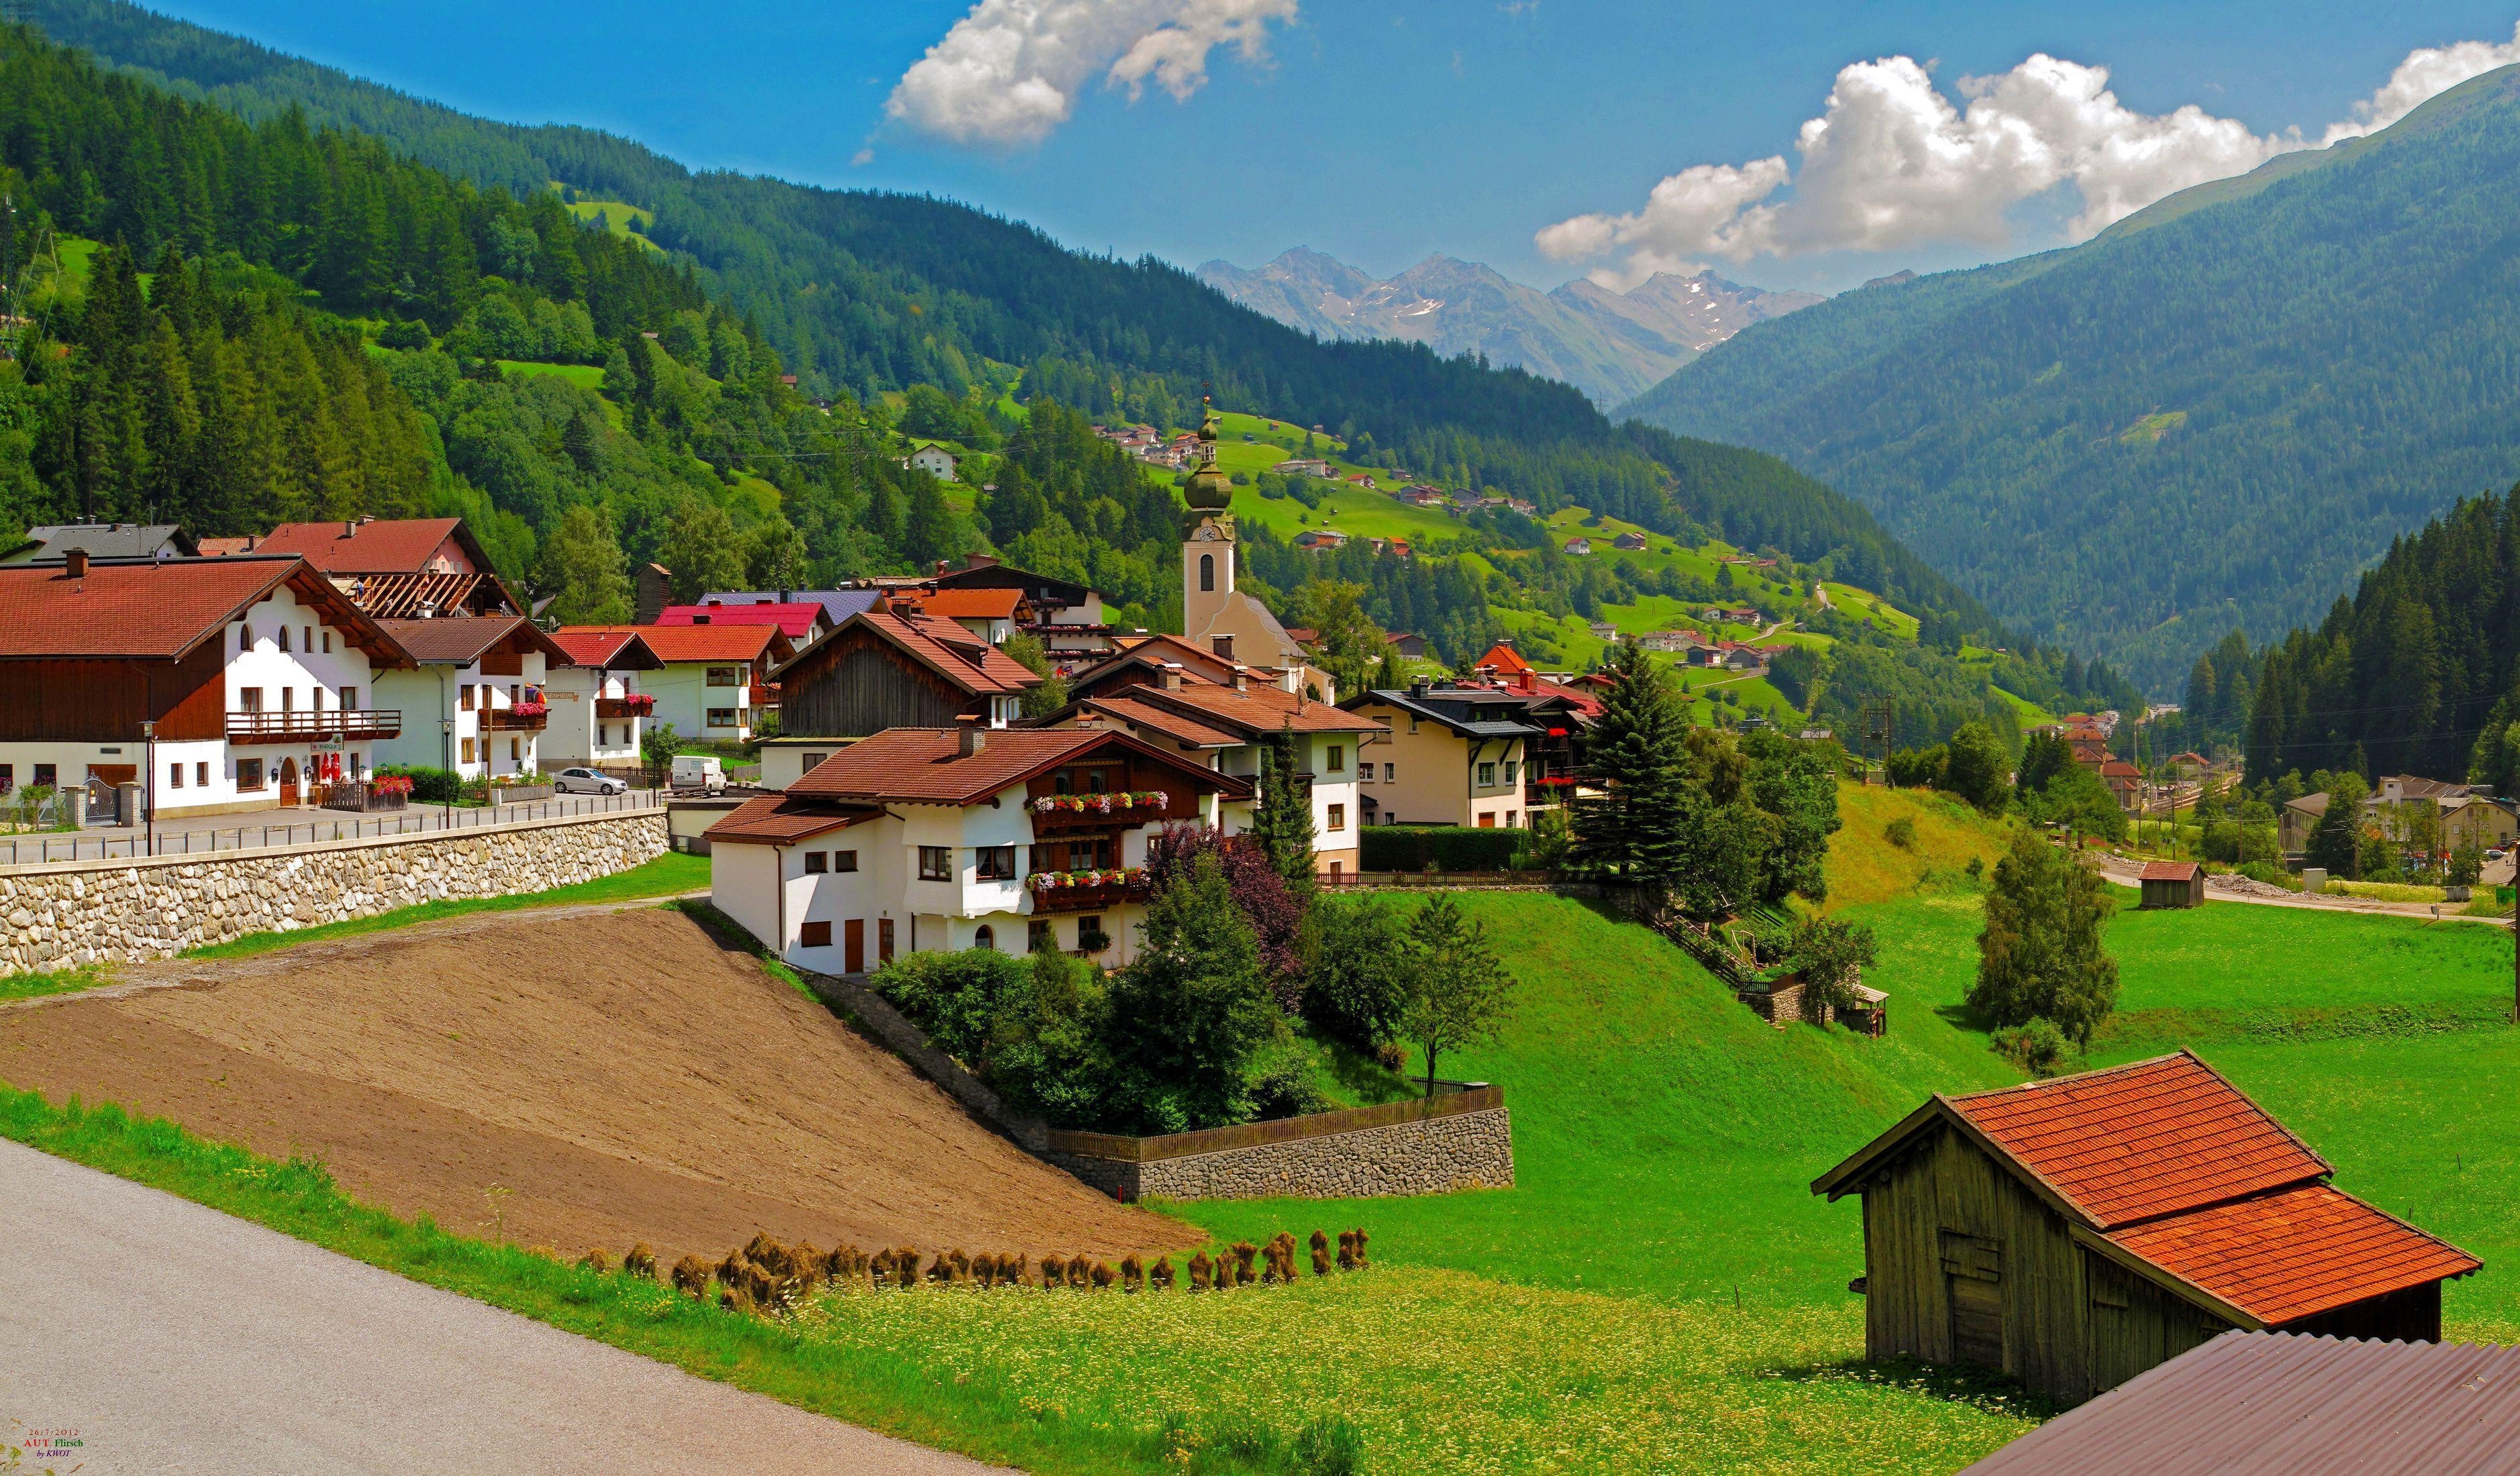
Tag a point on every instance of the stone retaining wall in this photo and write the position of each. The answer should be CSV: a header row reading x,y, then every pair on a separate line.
x,y
96,912
1434,1155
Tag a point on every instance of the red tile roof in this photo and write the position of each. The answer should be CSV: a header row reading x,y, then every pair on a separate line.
x,y
2150,1138
923,765
694,643
460,640
2294,1253
1171,725
776,820
1505,659
944,647
392,545
1259,709
969,604
2120,769
613,649
160,609
795,622
2168,871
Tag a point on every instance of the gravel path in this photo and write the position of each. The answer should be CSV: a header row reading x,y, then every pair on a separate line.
x,y
173,1338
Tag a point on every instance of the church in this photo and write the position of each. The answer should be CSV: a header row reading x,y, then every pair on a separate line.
x,y
1215,614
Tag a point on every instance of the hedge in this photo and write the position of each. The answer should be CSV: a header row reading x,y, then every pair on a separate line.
x,y
1440,848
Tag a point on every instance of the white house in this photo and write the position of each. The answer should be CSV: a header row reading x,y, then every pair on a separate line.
x,y
935,461
714,679
949,839
474,700
598,712
218,685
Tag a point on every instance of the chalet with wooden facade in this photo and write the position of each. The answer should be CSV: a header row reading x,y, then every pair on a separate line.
x,y
2078,1231
974,837
893,666
1167,692
474,700
713,681
597,713
410,568
239,683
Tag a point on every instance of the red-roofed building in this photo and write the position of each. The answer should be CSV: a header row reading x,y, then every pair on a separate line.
x,y
405,568
712,680
597,713
478,702
257,676
946,840
2074,1232
2171,883
800,621
893,665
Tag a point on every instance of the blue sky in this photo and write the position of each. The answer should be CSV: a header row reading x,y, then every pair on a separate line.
x,y
1381,132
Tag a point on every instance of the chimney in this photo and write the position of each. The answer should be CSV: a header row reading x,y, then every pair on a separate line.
x,y
74,561
968,738
1528,681
349,527
700,619
1417,688
1172,676
944,566
1241,680
1291,679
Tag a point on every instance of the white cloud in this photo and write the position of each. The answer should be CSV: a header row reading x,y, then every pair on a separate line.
x,y
1009,72
1891,163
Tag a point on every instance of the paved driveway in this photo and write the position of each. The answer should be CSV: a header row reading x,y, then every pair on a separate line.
x,y
173,1338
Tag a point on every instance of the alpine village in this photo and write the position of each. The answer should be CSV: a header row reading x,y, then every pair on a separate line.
x,y
653,819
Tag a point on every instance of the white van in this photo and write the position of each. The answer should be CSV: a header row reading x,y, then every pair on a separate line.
x,y
699,771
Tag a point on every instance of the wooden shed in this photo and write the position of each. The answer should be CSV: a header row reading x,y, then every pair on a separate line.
x,y
2173,883
2078,1231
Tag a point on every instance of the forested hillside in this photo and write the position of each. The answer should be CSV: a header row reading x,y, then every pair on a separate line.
x,y
2214,415
868,294
2417,673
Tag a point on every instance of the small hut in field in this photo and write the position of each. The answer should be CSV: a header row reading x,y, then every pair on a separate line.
x,y
2171,883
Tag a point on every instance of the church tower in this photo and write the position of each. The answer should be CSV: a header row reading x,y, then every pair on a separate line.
x,y
1208,539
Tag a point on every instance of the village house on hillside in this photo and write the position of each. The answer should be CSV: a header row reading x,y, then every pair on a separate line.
x,y
597,713
932,840
934,459
894,665
408,568
242,683
2074,1232
1067,618
475,701
1453,757
715,680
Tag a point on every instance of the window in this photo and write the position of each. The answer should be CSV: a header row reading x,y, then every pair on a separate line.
x,y
200,776
883,940
284,638
47,777
814,934
812,761
1508,770
248,700
1390,772
1041,936
1510,819
1208,573
844,861
306,638
985,936
936,863
175,776
726,676
349,700
464,697
994,863
721,717
817,862
603,736
245,638
7,778
328,642
289,700
248,774
1413,721
1338,758
1487,775
517,749
467,750
1339,817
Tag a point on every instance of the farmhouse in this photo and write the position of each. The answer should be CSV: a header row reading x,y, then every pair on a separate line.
x,y
240,682
935,461
597,709
2171,883
893,666
475,701
1408,644
1579,547
398,568
1632,542
929,838
2078,1231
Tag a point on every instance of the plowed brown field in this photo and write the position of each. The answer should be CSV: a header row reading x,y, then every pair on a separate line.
x,y
571,1080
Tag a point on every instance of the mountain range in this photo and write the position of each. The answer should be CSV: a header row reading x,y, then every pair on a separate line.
x,y
1610,345
2213,415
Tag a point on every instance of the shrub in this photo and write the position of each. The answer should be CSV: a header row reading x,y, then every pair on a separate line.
x,y
2037,1046
1441,848
1358,984
1918,768
428,787
1901,832
2271,873
957,998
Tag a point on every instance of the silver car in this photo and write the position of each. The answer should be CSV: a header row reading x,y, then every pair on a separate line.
x,y
587,782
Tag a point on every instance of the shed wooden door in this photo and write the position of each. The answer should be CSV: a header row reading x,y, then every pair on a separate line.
x,y
1973,1277
853,945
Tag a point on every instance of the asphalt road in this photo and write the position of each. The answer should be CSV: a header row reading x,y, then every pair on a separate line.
x,y
171,1338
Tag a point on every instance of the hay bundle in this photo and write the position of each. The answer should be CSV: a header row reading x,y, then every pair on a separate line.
x,y
1281,1257
1053,1271
691,1274
1321,1254
841,1265
730,1270
1361,1259
1245,1253
960,1271
1159,1275
597,1260
1104,1276
1347,1250
1013,1267
905,1266
638,1261
738,1299
1133,1273
1080,1272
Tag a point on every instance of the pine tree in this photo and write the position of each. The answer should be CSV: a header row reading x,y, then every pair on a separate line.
x,y
1629,831
2040,956
586,571
1282,823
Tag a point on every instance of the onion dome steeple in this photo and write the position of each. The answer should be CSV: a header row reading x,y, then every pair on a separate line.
x,y
1210,493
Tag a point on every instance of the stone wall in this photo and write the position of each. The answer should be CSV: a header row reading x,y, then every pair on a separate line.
x,y
96,912
1432,1154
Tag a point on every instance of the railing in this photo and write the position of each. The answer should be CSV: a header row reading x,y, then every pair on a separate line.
x,y
176,837
762,694
340,724
1541,793
636,705
1058,901
512,720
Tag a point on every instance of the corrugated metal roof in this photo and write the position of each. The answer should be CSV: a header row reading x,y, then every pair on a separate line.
x,y
2141,1140
2278,1403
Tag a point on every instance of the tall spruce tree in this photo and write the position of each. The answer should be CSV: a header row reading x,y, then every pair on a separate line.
x,y
1282,823
1629,831
2040,956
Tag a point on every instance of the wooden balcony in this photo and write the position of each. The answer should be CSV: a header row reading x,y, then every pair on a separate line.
x,y
332,725
1050,902
528,718
638,704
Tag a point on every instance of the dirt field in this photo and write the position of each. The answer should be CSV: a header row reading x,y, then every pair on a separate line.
x,y
618,1074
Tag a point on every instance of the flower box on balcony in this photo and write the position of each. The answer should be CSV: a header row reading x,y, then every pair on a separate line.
x,y
1119,802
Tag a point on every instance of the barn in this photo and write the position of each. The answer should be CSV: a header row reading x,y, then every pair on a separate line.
x,y
2074,1232
2171,883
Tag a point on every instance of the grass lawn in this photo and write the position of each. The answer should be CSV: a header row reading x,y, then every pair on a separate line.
x,y
583,376
59,981
669,875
